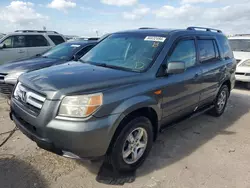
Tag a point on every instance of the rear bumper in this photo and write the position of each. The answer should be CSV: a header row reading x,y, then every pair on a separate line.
x,y
85,139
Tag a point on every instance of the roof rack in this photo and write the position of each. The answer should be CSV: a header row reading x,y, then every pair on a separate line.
x,y
147,28
36,31
204,28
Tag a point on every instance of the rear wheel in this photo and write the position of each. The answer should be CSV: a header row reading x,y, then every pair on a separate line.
x,y
132,145
220,102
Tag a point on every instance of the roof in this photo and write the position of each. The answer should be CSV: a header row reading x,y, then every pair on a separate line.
x,y
160,32
82,42
166,32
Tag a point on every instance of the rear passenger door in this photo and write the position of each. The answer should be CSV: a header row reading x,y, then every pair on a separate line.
x,y
182,91
212,67
36,45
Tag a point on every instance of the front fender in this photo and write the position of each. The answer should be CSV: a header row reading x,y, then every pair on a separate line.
x,y
132,104
136,103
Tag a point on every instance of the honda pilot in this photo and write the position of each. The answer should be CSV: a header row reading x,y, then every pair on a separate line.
x,y
116,99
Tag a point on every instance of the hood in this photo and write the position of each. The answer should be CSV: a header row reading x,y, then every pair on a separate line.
x,y
28,65
241,55
76,78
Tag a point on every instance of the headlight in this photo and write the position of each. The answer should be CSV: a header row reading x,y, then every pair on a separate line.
x,y
12,77
80,106
245,63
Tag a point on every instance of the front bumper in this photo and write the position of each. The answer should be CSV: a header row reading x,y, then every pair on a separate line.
x,y
85,139
243,77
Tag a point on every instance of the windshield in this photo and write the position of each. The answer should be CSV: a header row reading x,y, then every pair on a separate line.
x,y
63,51
126,52
240,45
1,36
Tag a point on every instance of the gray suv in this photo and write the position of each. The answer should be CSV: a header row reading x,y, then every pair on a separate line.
x,y
119,95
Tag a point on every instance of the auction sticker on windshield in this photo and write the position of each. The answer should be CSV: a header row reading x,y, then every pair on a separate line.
x,y
75,45
155,39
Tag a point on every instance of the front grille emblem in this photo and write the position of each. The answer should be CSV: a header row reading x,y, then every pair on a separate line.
x,y
24,96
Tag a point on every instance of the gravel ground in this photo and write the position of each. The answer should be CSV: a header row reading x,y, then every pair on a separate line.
x,y
202,152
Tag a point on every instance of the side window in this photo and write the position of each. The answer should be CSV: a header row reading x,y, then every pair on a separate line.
x,y
57,39
83,51
36,41
19,41
8,42
185,52
206,50
226,49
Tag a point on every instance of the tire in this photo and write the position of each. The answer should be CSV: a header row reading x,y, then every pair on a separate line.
x,y
120,144
218,110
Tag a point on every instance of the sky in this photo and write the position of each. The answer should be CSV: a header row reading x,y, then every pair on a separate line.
x,y
92,17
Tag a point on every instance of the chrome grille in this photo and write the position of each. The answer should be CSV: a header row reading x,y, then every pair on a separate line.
x,y
28,98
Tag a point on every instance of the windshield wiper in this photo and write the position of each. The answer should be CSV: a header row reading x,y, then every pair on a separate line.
x,y
113,67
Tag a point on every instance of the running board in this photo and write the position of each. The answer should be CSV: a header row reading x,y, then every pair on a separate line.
x,y
193,115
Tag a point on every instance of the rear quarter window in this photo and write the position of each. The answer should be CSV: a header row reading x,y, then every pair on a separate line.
x,y
57,39
226,49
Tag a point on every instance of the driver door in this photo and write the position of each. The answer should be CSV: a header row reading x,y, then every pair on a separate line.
x,y
15,49
181,93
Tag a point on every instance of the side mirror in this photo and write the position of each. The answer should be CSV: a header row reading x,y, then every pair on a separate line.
x,y
175,67
75,58
2,46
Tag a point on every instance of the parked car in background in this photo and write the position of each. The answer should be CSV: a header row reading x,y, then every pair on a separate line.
x,y
60,54
1,35
240,45
117,97
23,44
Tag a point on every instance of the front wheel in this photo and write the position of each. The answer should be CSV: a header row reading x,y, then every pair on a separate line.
x,y
220,102
132,145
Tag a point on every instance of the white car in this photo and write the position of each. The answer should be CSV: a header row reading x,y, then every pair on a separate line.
x,y
23,44
240,45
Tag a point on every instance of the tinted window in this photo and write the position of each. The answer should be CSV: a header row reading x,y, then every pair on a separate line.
x,y
206,50
126,52
62,51
226,49
8,42
36,41
83,51
56,39
185,52
19,41
240,45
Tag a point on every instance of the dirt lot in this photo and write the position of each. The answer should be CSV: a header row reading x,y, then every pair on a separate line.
x,y
203,152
